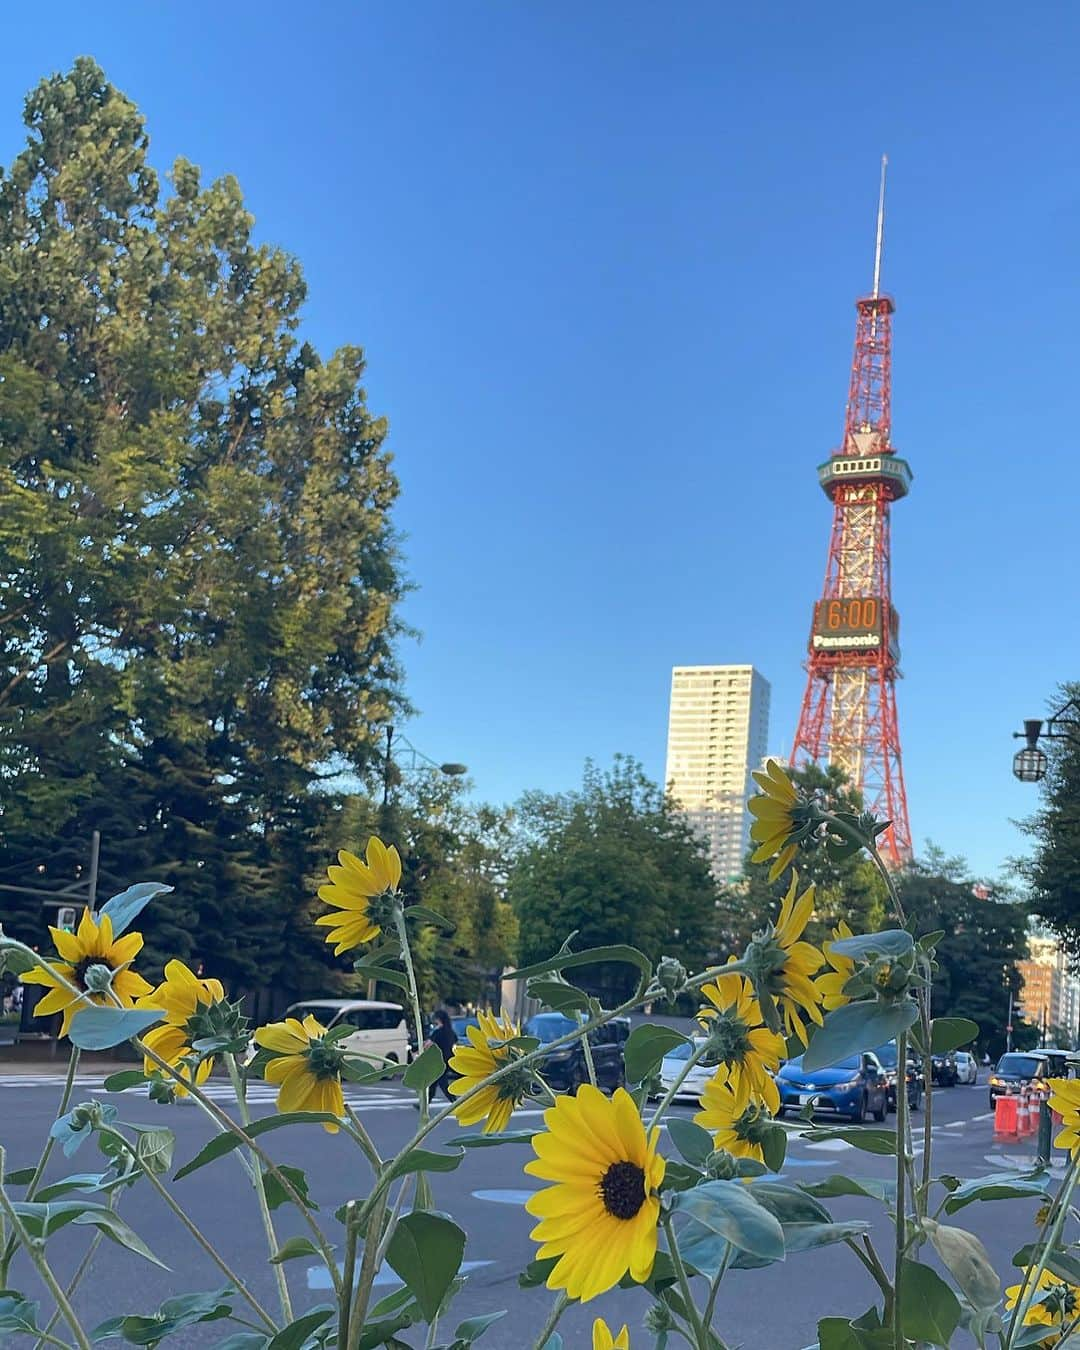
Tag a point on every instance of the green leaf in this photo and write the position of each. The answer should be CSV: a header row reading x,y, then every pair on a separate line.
x,y
126,1078
536,1272
950,1033
694,1143
857,1027
102,1028
593,956
16,1313
474,1327
872,1188
790,1204
1058,1262
729,1209
114,1227
423,1160
490,1140
225,1143
427,1068
929,1310
17,962
81,1181
292,1248
425,1251
999,1186
154,1147
429,916
296,1333
384,973
558,995
384,1331
882,1142
891,942
774,1147
22,1176
173,1315
646,1046
967,1261
276,1194
804,1237
837,1333
125,908
243,1340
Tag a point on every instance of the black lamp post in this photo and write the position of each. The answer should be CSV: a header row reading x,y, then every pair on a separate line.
x,y
1030,764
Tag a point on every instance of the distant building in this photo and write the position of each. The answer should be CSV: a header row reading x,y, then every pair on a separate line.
x,y
718,730
1050,994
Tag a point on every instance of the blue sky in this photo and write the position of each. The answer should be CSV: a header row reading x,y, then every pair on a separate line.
x,y
603,259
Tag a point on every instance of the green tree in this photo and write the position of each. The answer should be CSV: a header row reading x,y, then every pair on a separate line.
x,y
198,570
1053,870
615,862
983,939
851,889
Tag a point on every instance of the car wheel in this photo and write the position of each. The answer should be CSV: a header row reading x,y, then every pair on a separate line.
x,y
858,1116
882,1110
618,1081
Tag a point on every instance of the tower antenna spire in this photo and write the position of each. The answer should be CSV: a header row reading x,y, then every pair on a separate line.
x,y
880,227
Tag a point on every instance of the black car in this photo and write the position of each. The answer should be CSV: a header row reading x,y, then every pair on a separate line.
x,y
888,1056
1016,1070
945,1072
565,1068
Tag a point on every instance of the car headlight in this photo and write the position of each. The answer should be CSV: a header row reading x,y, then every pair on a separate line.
x,y
851,1083
996,1082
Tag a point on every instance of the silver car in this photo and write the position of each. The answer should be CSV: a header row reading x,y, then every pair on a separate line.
x,y
967,1068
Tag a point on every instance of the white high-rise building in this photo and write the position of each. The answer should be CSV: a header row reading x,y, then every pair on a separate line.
x,y
718,729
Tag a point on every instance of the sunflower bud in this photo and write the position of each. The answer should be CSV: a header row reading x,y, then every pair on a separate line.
x,y
659,1319
671,977
721,1165
97,979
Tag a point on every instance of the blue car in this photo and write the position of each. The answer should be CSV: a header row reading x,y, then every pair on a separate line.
x,y
855,1087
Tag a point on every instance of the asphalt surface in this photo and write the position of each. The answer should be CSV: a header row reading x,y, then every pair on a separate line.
x,y
769,1309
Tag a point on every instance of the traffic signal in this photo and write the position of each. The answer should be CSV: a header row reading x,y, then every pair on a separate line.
x,y
65,918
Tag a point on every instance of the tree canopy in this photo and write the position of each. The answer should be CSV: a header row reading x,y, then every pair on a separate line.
x,y
199,574
615,862
1053,871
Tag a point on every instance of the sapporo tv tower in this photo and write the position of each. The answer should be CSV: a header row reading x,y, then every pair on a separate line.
x,y
848,714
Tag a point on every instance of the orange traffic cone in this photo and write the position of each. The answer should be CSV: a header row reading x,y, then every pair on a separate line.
x,y
1023,1114
1005,1119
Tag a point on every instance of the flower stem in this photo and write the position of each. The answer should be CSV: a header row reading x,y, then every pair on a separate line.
x,y
348,1274
35,1250
414,997
696,1054
694,1317
368,1266
74,1282
901,1179
260,1194
557,1309
360,1134
1059,1211
39,1170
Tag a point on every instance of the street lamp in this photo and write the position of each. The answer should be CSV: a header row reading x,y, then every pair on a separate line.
x,y
402,757
1030,764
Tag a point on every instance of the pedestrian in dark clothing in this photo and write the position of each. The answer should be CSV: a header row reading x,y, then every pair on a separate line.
x,y
445,1038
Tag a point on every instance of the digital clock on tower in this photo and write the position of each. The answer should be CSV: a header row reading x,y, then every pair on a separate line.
x,y
848,623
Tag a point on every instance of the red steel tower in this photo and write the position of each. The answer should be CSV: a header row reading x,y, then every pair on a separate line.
x,y
848,714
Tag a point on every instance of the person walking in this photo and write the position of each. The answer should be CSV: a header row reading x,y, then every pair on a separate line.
x,y
444,1036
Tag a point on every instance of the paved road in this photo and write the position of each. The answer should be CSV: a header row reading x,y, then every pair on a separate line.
x,y
770,1309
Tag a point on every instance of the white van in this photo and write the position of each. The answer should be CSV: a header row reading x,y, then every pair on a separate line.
x,y
380,1030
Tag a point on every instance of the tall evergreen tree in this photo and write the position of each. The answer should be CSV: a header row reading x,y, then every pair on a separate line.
x,y
198,570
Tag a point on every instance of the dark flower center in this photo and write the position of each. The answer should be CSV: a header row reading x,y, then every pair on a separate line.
x,y
79,975
623,1189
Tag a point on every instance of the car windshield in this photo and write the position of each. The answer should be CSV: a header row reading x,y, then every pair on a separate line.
x,y
324,1016
1027,1066
852,1062
887,1055
549,1026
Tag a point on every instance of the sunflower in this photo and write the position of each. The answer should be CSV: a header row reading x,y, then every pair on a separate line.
x,y
352,886
92,945
1057,1304
830,986
602,1339
307,1067
1065,1100
600,1218
185,999
738,1130
788,964
747,1051
777,818
484,1053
